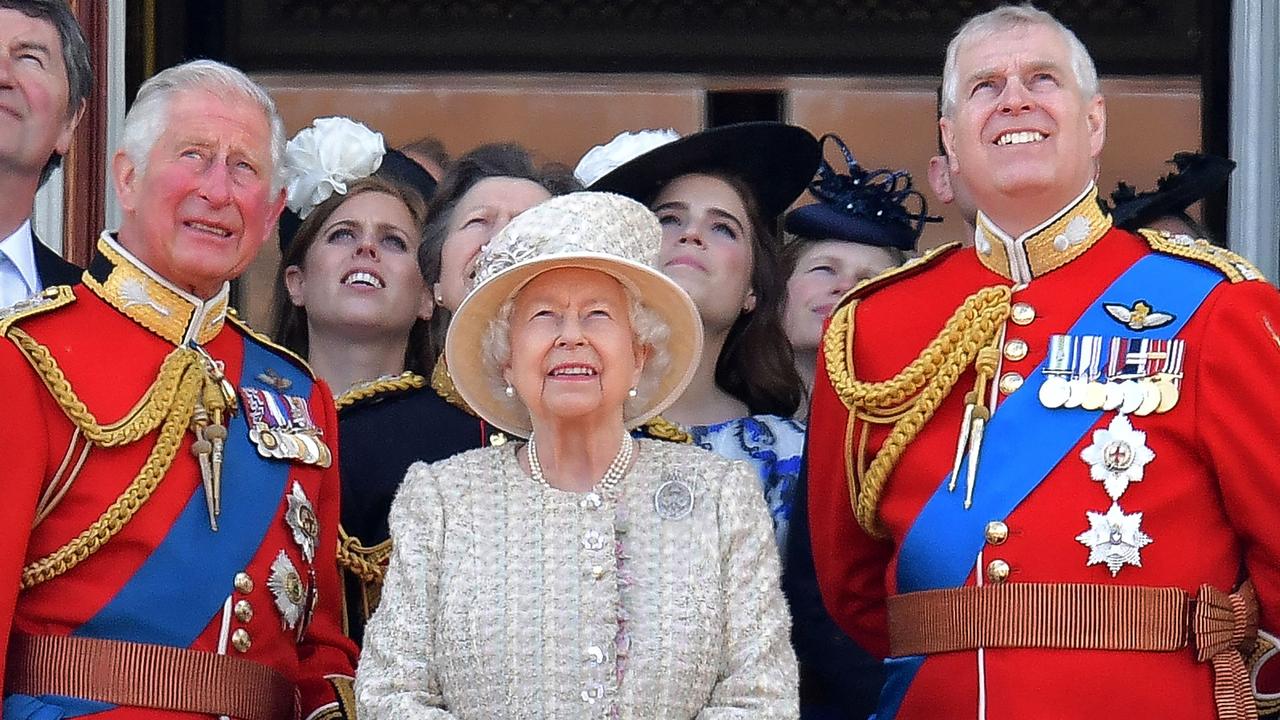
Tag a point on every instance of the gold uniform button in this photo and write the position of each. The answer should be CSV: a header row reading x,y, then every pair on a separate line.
x,y
1022,313
244,583
1010,382
997,532
997,571
240,640
243,611
1015,349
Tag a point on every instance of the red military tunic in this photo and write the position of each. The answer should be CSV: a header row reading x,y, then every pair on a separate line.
x,y
1208,498
163,576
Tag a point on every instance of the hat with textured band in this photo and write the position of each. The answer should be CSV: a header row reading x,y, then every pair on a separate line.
x,y
775,160
597,231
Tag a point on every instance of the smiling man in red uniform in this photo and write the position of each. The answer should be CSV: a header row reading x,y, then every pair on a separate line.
x,y
171,496
1038,480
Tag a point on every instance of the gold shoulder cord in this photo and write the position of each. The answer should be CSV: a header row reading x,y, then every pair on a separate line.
x,y
406,380
1236,268
366,563
169,404
909,399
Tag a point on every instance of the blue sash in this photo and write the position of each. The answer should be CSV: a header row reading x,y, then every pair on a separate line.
x,y
1024,442
185,581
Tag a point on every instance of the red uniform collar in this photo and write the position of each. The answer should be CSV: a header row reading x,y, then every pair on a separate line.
x,y
1057,241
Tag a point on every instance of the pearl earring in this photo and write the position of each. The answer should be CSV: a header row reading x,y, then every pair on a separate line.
x,y
631,393
510,391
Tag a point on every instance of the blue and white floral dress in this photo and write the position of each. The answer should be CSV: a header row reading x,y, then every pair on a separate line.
x,y
771,444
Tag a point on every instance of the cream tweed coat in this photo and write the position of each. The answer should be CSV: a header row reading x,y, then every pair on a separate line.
x,y
509,599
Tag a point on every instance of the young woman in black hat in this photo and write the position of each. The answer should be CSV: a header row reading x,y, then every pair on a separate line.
x,y
863,223
717,194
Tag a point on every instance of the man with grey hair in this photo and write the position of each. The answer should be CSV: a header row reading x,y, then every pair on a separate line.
x,y
45,80
171,504
1035,476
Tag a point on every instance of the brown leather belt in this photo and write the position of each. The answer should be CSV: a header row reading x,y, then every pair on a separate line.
x,y
1218,625
154,676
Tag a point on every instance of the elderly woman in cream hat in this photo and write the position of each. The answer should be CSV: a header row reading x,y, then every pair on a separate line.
x,y
584,573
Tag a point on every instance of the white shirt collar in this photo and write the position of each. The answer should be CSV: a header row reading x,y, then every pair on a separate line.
x,y
17,247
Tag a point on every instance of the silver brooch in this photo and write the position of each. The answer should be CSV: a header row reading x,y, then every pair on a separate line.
x,y
674,499
1114,538
290,594
301,517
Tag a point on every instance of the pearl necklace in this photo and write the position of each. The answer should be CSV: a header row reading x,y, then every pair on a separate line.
x,y
612,475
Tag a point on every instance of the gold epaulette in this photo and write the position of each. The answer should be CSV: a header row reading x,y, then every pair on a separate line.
x,y
283,351
898,272
51,298
407,380
1236,268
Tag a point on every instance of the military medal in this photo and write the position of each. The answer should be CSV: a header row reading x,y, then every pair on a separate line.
x,y
1115,364
281,427
1093,393
288,589
1117,456
301,518
1054,391
674,499
1114,538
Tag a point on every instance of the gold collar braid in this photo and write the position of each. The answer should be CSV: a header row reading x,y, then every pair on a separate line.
x,y
157,305
1054,243
909,399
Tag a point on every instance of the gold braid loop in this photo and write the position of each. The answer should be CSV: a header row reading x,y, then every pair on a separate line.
x,y
156,404
909,399
366,563
407,380
134,496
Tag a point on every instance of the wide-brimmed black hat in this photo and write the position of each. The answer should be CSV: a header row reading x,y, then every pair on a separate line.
x,y
396,167
1196,175
872,207
775,160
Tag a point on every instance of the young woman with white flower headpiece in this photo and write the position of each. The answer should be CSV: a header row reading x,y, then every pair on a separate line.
x,y
350,300
583,573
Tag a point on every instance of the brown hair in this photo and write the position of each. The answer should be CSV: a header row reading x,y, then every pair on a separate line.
x,y
507,160
756,364
290,327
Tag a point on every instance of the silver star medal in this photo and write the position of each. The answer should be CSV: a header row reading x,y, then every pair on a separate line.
x,y
674,498
287,587
301,517
1117,456
1114,538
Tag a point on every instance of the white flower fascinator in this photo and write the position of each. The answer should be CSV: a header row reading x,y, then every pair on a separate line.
x,y
627,146
320,160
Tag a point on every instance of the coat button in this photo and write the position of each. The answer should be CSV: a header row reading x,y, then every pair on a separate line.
x,y
1015,349
997,571
240,640
592,540
590,501
593,693
497,439
597,572
243,611
1010,382
244,583
1022,313
997,532
595,655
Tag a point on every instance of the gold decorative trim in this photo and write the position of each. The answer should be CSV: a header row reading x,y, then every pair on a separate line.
x,y
51,298
1236,268
906,269
909,399
267,341
367,563
344,689
1062,239
403,382
442,383
661,428
151,303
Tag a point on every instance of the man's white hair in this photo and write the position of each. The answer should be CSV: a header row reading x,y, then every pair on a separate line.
x,y
147,119
1009,17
